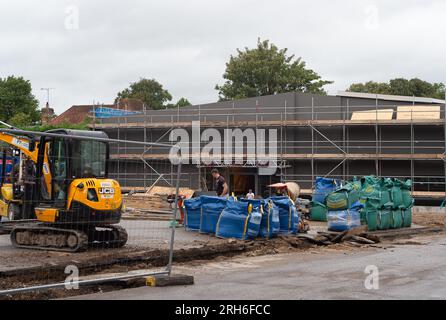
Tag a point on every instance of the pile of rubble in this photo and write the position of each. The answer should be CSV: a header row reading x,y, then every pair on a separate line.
x,y
357,236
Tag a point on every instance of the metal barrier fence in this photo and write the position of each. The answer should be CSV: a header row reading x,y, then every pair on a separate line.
x,y
65,223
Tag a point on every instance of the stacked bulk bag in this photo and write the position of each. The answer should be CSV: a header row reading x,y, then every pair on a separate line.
x,y
240,220
406,194
347,219
397,219
388,203
318,211
356,184
192,214
343,198
377,189
211,208
384,219
369,217
402,204
288,215
323,187
270,225
376,218
407,217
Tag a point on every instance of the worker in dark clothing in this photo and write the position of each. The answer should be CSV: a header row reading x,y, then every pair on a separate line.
x,y
220,185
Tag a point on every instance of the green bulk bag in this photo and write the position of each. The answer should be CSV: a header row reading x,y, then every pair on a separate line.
x,y
370,215
407,217
371,219
397,219
318,211
396,194
356,184
372,203
343,198
385,193
369,185
376,188
407,199
384,219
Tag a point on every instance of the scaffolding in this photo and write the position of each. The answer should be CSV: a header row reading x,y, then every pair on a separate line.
x,y
321,139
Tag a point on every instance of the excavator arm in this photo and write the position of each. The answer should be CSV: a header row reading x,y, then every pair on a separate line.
x,y
25,145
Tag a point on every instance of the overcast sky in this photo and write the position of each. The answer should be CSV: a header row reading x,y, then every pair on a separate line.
x,y
88,50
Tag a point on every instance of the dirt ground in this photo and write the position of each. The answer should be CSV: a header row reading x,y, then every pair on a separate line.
x,y
149,251
429,219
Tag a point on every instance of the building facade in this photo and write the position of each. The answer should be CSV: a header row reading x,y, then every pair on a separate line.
x,y
341,136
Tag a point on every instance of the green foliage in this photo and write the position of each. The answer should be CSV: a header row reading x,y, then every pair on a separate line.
x,y
402,87
267,70
20,120
17,102
183,102
80,126
150,91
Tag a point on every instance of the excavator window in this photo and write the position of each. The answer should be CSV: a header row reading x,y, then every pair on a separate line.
x,y
58,163
89,159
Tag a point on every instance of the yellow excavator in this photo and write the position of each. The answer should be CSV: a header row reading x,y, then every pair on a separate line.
x,y
65,201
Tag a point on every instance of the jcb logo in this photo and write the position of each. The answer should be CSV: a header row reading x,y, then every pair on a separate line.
x,y
106,191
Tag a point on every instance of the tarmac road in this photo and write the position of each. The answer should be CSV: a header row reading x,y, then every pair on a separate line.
x,y
416,271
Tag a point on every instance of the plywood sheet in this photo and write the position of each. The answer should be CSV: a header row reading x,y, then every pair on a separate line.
x,y
380,114
418,112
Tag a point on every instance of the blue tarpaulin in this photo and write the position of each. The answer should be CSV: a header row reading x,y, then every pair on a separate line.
x,y
192,214
240,220
211,208
323,187
102,112
288,215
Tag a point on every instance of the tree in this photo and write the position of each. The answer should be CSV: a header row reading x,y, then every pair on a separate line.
x,y
150,91
370,87
402,87
20,120
267,70
17,103
183,102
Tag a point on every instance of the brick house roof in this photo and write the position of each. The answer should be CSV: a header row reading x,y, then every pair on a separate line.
x,y
76,114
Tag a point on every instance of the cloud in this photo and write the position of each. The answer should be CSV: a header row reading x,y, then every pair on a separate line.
x,y
185,44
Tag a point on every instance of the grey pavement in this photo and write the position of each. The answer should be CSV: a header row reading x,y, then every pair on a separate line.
x,y
405,272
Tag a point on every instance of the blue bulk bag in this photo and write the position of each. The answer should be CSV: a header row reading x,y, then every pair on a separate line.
x,y
192,214
345,219
323,187
288,215
256,217
240,220
270,225
211,208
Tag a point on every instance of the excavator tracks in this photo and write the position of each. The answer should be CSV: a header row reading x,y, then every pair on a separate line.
x,y
110,236
44,237
49,238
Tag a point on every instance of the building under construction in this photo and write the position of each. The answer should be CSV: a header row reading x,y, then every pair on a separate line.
x,y
347,135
